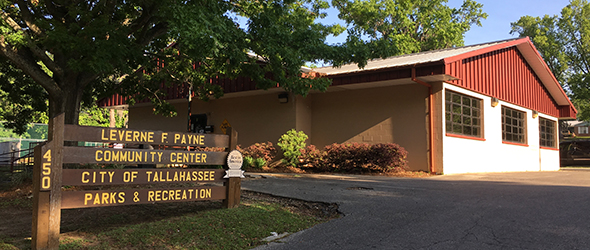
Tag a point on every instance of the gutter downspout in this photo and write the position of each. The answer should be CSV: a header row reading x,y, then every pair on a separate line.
x,y
430,120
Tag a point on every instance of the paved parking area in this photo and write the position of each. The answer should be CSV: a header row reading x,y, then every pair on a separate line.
x,y
532,210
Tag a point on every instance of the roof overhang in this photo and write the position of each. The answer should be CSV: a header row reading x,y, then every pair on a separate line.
x,y
386,83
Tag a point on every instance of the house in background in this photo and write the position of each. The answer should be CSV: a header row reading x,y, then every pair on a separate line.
x,y
580,128
484,108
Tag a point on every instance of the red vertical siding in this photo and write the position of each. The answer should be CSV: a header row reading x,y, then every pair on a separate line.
x,y
504,74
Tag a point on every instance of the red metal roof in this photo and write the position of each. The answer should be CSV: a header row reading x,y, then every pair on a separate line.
x,y
504,74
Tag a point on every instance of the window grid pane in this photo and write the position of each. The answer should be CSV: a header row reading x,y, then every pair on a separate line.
x,y
513,125
462,114
547,133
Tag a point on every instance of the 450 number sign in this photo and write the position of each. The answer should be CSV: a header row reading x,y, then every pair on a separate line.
x,y
46,171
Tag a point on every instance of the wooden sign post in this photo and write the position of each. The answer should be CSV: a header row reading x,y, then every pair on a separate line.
x,y
49,175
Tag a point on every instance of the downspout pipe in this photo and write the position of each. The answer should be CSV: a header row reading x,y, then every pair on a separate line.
x,y
430,119
189,98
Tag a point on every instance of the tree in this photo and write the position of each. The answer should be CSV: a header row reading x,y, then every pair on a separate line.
x,y
564,43
22,101
72,52
407,26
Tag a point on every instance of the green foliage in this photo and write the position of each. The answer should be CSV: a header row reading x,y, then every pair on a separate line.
x,y
389,28
583,107
248,162
564,43
100,117
38,131
22,101
7,133
291,143
33,131
259,163
61,57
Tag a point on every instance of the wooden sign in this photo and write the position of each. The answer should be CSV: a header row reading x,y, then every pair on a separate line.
x,y
49,175
117,135
85,155
102,198
86,177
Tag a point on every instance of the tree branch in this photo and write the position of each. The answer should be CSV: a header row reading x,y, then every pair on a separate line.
x,y
28,18
57,12
30,67
142,21
39,53
157,30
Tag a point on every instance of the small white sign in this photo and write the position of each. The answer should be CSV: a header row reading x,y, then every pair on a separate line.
x,y
234,163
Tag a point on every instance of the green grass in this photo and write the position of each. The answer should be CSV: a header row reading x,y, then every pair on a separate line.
x,y
243,227
18,203
238,228
192,225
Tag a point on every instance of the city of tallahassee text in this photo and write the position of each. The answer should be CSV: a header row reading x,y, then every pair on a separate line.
x,y
130,176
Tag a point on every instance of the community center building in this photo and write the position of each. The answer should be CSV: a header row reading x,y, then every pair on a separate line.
x,y
489,107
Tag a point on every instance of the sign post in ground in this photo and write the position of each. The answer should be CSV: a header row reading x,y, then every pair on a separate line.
x,y
49,175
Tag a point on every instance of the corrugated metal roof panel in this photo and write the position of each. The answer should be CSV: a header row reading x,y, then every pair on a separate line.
x,y
506,75
409,59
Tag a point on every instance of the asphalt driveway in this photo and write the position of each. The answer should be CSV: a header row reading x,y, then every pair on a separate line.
x,y
533,210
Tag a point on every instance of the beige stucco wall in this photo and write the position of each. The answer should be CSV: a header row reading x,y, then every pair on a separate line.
x,y
303,112
142,117
258,118
378,115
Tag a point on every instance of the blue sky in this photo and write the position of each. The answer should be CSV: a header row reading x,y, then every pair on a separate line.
x,y
500,14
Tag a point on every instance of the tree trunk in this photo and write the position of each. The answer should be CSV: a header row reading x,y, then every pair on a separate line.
x,y
66,101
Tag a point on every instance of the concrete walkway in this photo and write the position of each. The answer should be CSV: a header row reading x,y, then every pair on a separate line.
x,y
534,210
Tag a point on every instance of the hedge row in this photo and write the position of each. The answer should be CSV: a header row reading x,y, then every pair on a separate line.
x,y
355,157
346,158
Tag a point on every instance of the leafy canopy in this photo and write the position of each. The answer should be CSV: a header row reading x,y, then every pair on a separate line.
x,y
407,26
72,52
564,43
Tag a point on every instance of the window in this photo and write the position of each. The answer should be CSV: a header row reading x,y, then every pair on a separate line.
x,y
513,125
547,133
462,114
582,130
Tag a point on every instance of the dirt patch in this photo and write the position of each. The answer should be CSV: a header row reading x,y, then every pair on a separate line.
x,y
16,213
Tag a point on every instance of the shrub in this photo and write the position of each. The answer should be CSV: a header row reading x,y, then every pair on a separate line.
x,y
248,162
259,163
313,159
266,151
390,156
362,157
291,143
